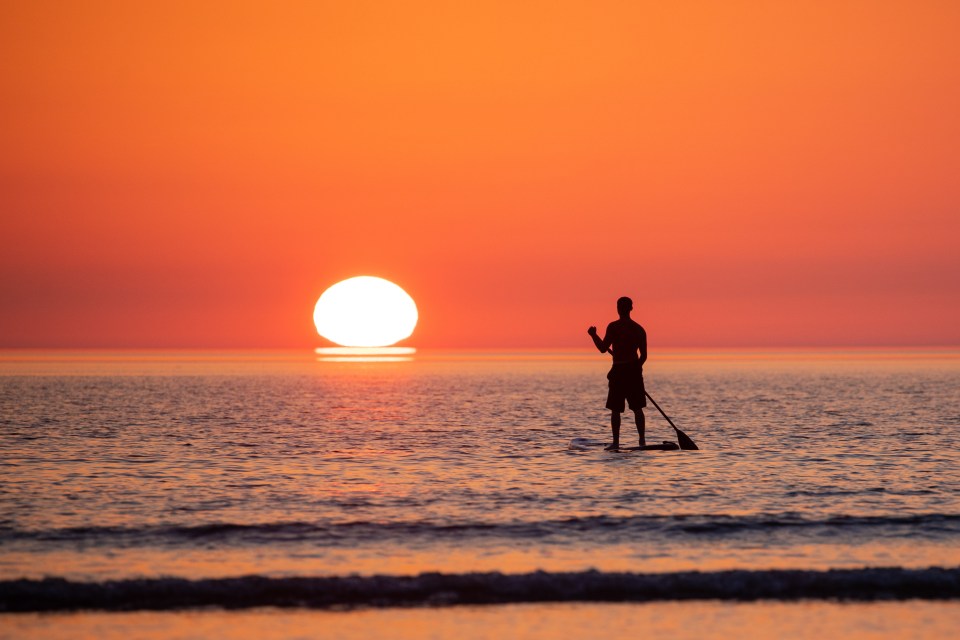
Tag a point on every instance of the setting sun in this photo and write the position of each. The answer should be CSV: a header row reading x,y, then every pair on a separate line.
x,y
365,311
688,276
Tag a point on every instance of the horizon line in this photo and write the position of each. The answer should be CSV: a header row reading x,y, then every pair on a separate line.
x,y
22,354
512,348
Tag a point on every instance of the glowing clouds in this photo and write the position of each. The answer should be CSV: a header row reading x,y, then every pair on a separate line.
x,y
365,312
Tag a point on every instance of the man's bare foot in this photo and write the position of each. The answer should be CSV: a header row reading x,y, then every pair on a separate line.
x,y
612,447
643,443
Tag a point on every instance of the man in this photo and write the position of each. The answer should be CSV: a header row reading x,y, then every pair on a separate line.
x,y
627,341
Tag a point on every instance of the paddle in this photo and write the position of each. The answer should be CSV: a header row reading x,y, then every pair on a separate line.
x,y
685,442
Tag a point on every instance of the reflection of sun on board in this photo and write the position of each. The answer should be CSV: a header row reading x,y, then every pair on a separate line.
x,y
365,311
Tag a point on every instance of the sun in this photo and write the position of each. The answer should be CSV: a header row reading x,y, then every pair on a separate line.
x,y
365,311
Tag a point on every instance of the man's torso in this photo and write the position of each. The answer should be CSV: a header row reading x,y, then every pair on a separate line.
x,y
626,337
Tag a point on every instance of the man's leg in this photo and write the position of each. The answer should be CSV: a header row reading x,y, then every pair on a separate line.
x,y
641,426
615,426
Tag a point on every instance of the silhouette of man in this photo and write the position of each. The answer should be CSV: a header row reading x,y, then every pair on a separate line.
x,y
627,341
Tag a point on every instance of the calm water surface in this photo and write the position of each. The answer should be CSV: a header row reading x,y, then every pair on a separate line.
x,y
201,466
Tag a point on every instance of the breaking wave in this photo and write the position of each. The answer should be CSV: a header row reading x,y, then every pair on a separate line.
x,y
436,589
336,533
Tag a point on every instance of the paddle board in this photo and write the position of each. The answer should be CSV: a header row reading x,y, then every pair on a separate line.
x,y
665,446
584,444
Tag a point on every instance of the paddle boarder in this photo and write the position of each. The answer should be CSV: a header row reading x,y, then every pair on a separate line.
x,y
626,340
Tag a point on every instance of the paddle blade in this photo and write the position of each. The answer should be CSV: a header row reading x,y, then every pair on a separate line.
x,y
685,442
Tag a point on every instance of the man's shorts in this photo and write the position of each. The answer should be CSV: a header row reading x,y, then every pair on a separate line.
x,y
626,384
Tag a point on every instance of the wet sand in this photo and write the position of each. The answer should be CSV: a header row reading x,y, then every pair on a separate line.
x,y
694,620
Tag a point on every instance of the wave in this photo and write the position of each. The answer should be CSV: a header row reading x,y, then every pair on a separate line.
x,y
334,533
436,589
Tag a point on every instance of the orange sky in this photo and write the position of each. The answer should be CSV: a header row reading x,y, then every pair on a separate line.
x,y
751,173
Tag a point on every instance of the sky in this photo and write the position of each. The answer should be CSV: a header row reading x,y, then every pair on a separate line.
x,y
195,175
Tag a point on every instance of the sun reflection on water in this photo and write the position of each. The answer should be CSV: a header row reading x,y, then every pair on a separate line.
x,y
365,354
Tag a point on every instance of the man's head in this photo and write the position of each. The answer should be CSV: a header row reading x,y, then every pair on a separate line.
x,y
624,306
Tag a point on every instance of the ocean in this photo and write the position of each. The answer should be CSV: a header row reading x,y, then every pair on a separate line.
x,y
172,492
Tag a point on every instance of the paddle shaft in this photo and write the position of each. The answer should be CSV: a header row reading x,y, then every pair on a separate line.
x,y
661,411
686,442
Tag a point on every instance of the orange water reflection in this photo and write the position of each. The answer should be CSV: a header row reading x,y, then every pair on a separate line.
x,y
450,558
679,620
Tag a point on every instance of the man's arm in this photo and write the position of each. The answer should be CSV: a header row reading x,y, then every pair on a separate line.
x,y
602,345
643,346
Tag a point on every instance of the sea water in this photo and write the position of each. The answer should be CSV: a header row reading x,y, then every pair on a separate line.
x,y
289,478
